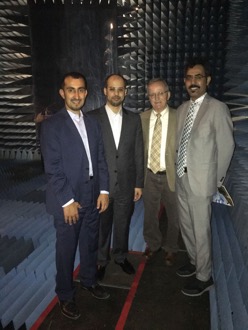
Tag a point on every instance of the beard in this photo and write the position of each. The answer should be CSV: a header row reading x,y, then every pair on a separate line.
x,y
115,102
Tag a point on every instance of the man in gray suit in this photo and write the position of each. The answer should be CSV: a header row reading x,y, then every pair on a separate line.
x,y
160,179
123,143
205,146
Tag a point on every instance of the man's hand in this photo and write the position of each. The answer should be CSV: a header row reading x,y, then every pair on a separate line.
x,y
137,194
39,118
102,202
71,213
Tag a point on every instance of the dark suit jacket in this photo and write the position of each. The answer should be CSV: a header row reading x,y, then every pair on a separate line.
x,y
66,163
125,165
170,143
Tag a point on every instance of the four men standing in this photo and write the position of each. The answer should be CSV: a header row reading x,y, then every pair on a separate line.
x,y
74,148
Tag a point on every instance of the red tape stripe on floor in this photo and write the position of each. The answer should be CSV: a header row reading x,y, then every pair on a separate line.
x,y
42,317
130,297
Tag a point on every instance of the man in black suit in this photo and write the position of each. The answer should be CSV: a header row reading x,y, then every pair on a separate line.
x,y
77,190
123,144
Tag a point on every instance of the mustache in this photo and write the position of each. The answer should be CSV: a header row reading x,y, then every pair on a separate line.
x,y
194,86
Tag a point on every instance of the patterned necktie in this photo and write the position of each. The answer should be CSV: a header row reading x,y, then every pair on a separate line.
x,y
181,161
156,145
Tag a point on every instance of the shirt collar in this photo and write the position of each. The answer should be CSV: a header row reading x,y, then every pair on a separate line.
x,y
75,116
111,112
200,99
163,112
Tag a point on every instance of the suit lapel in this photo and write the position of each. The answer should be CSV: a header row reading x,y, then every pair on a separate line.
x,y
202,110
72,129
90,134
124,128
182,116
170,130
146,128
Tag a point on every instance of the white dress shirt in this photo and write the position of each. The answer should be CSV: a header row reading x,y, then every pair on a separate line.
x,y
115,120
80,125
198,103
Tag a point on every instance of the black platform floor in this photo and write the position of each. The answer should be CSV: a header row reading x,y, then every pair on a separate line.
x,y
158,303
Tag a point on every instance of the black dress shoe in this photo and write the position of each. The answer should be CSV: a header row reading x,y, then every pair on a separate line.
x,y
69,309
101,272
196,287
97,291
126,266
186,270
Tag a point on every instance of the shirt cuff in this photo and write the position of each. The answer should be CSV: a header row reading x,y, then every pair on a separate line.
x,y
104,192
68,203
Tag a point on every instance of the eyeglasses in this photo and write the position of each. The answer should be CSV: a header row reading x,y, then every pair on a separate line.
x,y
159,94
197,77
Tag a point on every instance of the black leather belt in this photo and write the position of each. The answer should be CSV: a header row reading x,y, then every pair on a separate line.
x,y
159,172
185,169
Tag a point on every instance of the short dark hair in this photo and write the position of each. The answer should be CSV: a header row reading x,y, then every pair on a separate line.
x,y
114,74
75,75
198,61
153,80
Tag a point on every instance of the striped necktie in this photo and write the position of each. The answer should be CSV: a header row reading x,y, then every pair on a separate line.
x,y
156,145
181,161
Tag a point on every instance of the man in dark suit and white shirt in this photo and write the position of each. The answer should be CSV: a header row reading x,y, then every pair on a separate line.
x,y
123,144
205,146
77,190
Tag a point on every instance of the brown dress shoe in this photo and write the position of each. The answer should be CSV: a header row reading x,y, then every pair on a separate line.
x,y
147,253
170,258
150,254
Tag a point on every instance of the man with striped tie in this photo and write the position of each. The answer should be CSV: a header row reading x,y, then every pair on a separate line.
x,y
159,135
204,150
